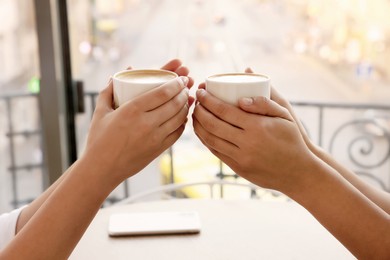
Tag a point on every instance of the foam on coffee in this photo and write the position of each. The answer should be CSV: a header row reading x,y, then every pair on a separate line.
x,y
146,76
238,78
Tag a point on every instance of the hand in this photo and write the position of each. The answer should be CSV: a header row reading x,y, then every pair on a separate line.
x,y
266,148
125,140
278,98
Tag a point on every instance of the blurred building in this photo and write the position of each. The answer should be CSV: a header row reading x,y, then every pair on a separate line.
x,y
91,23
354,33
350,33
18,43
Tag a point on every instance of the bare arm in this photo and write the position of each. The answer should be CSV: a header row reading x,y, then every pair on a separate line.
x,y
33,207
120,144
379,197
267,148
360,225
27,213
57,225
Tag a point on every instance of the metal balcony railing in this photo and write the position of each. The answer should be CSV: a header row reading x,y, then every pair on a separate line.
x,y
358,135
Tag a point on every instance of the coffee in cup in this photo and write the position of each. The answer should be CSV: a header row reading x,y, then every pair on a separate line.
x,y
230,87
129,84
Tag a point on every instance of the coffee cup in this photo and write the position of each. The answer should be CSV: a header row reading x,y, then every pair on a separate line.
x,y
129,84
230,87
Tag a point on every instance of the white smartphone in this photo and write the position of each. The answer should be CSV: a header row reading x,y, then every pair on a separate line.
x,y
153,223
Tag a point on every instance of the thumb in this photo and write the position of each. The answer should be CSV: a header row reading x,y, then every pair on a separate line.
x,y
264,106
104,101
248,70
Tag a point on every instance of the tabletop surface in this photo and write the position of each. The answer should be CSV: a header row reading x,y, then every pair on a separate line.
x,y
231,229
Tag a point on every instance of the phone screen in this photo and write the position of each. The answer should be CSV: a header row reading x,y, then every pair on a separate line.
x,y
153,223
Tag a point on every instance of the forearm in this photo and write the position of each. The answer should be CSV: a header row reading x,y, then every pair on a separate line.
x,y
379,197
63,217
360,225
33,207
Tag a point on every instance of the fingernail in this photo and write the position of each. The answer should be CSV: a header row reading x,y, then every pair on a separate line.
x,y
184,80
201,92
247,101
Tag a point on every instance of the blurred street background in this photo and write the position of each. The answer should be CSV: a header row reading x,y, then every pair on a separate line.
x,y
317,51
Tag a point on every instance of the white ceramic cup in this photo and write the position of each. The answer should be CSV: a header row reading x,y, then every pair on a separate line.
x,y
230,87
129,84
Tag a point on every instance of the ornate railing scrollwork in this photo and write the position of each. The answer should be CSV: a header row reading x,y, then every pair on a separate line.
x,y
365,143
362,149
363,137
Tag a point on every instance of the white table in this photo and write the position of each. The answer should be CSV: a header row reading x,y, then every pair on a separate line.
x,y
231,229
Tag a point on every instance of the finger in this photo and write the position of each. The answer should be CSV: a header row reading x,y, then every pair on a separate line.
x,y
219,155
169,109
202,86
248,70
278,98
222,110
226,159
190,82
191,101
264,106
216,126
223,157
275,96
175,122
214,142
172,65
104,101
182,71
172,138
160,95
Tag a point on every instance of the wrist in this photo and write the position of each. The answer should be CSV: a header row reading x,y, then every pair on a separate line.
x,y
307,182
98,173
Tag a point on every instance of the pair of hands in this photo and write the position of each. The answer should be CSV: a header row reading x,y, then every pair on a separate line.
x,y
123,141
261,140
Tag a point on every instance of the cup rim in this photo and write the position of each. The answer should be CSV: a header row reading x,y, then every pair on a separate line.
x,y
212,77
115,76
